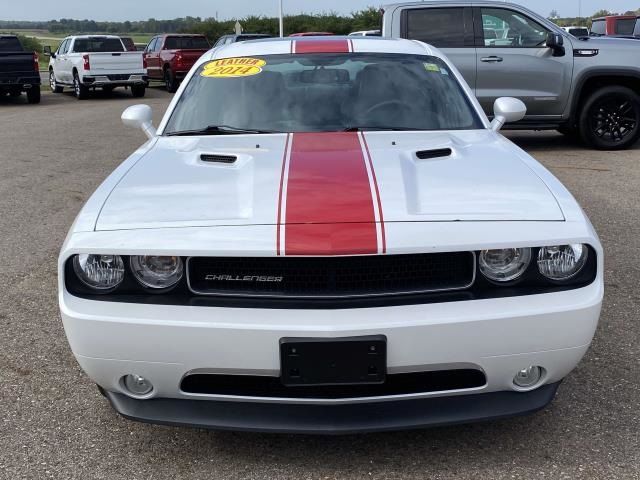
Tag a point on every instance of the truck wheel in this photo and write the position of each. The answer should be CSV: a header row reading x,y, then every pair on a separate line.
x,y
80,90
55,88
610,118
170,82
33,94
138,91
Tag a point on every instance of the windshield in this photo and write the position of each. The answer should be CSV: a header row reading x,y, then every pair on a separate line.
x,y
186,43
323,92
98,45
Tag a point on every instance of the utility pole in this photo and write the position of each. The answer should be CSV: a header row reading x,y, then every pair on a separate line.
x,y
579,12
281,21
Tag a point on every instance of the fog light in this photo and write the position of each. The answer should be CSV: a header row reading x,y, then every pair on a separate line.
x,y
137,385
528,377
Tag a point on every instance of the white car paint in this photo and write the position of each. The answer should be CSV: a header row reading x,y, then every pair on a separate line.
x,y
489,194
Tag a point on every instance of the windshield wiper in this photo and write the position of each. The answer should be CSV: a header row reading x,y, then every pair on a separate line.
x,y
219,130
380,129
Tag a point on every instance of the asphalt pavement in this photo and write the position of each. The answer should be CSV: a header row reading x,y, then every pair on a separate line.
x,y
55,424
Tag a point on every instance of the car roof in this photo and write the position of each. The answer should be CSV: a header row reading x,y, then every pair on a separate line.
x,y
281,46
181,35
94,36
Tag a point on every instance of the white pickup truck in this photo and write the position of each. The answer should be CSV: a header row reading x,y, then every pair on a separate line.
x,y
87,62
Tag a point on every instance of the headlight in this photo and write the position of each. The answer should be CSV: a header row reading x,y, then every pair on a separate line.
x,y
562,262
157,272
506,264
100,272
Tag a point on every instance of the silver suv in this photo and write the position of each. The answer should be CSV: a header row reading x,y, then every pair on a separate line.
x,y
586,86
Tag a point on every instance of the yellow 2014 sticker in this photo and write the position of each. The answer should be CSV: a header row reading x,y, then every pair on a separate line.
x,y
233,68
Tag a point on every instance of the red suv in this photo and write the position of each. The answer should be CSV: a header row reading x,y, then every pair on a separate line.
x,y
613,25
170,57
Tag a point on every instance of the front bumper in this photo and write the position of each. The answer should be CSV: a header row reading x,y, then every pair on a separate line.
x,y
165,343
335,420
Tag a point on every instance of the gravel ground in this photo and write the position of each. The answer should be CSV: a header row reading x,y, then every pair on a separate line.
x,y
55,424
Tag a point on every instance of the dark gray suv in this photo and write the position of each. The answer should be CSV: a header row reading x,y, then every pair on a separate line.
x,y
587,86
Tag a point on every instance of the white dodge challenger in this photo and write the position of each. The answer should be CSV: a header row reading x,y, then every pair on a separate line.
x,y
327,235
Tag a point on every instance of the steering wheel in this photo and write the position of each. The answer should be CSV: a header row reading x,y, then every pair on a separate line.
x,y
386,104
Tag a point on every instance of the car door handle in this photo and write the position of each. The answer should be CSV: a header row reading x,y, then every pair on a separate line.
x,y
492,59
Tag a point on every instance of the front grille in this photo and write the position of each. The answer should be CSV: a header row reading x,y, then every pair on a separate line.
x,y
331,277
272,387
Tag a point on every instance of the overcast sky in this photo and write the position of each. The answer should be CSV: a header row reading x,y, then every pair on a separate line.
x,y
119,10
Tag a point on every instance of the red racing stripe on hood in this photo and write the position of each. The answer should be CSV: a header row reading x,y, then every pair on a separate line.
x,y
328,45
330,202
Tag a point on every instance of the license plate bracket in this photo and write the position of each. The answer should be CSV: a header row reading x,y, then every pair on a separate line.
x,y
333,361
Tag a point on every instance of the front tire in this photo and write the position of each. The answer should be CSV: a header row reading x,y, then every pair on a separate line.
x,y
80,90
33,94
170,81
53,84
610,119
138,91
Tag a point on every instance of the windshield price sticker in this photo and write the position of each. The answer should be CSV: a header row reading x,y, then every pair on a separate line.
x,y
432,67
233,68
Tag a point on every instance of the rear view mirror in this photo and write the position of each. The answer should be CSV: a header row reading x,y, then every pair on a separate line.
x,y
507,110
140,116
555,42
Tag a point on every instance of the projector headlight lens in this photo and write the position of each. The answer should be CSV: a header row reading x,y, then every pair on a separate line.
x,y
504,265
99,272
562,262
157,272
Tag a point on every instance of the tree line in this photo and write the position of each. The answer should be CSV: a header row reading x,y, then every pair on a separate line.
x,y
367,19
330,22
586,21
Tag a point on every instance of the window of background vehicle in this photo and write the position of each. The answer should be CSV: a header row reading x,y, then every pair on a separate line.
x,y
579,32
440,27
97,45
598,27
330,92
513,30
152,44
186,43
636,29
128,44
9,44
64,47
625,26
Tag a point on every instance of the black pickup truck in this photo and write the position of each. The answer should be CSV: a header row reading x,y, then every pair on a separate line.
x,y
19,71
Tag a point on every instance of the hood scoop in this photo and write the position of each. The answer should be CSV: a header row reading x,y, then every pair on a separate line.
x,y
215,158
435,153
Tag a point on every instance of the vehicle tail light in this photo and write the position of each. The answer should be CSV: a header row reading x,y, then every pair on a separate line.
x,y
36,62
86,65
144,60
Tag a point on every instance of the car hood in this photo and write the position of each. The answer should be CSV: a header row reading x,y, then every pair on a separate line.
x,y
609,42
328,178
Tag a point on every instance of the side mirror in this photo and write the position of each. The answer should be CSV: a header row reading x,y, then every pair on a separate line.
x,y
140,116
507,110
555,42
47,50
